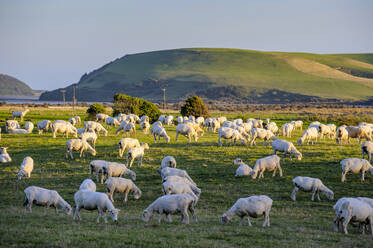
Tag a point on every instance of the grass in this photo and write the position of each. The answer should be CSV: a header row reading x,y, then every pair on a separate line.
x,y
293,224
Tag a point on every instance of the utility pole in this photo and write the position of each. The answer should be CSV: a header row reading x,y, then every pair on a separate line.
x,y
164,98
74,99
63,96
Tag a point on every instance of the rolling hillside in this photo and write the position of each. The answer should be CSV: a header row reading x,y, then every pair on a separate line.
x,y
230,74
12,87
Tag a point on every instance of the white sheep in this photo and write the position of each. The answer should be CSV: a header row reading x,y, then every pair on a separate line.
x,y
44,126
169,120
221,119
4,156
127,143
78,145
60,126
342,134
287,148
110,121
88,184
287,129
127,127
174,187
89,136
187,131
101,117
200,120
171,204
309,184
29,126
145,126
90,200
253,206
97,127
310,134
229,133
243,169
136,153
168,161
120,185
168,171
97,166
272,126
297,124
333,130
367,147
337,209
355,165
179,179
144,118
45,197
77,119
26,168
269,163
215,125
72,121
113,169
20,114
263,134
12,124
159,131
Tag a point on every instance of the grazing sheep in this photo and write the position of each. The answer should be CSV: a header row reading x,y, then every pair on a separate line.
x,y
161,118
82,130
221,119
78,145
113,169
342,134
60,126
136,153
243,169
263,134
178,179
196,128
169,120
309,184
121,117
127,143
89,136
287,148
101,117
4,156
171,204
297,124
110,121
98,167
159,131
45,197
144,118
355,165
180,120
187,131
26,168
272,126
90,200
168,161
215,125
269,163
253,206
200,120
359,133
72,121
97,127
133,118
310,134
88,184
367,147
168,171
145,126
337,209
287,129
20,114
174,187
77,119
333,130
44,126
127,127
12,124
257,123
229,133
120,185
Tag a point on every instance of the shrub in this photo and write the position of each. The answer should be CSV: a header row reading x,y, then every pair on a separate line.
x,y
127,104
194,106
94,109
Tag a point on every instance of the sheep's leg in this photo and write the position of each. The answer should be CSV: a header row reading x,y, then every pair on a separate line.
x,y
241,219
274,172
126,195
295,190
140,160
336,224
313,195
121,152
56,210
219,141
362,175
45,209
112,196
98,215
345,223
71,154
371,224
169,218
280,170
318,195
104,216
191,209
344,176
160,217
185,216
177,135
248,221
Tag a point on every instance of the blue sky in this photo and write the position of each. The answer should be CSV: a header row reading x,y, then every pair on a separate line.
x,y
50,44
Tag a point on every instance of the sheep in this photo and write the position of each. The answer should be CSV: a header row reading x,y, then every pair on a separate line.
x,y
333,130
144,118
272,126
29,126
101,117
263,134
88,184
45,197
89,136
145,126
257,123
309,184
77,119
200,120
314,123
78,145
179,119
72,121
134,118
81,130
168,171
243,169
367,147
121,117
187,131
127,128
12,124
4,156
120,185
192,118
355,165
269,163
160,132
110,121
310,134
359,133
20,114
242,131
221,119
44,126
90,200
337,209
174,187
169,120
171,204
168,161
286,147
136,153
287,129
297,124
253,206
178,179
196,128
229,133
127,143
26,168
60,126
97,127
342,135
161,118
325,130
113,169
98,167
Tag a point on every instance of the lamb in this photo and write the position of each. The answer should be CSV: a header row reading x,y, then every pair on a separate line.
x,y
333,130
168,161
44,126
136,153
20,114
187,131
168,171
179,179
171,204
310,134
342,135
77,119
297,124
159,131
127,128
355,165
26,168
174,187
243,169
263,134
269,163
200,120
45,197
286,147
253,206
169,120
113,169
179,119
287,129
4,156
215,125
229,133
90,200
127,143
309,184
12,124
89,136
272,126
98,167
97,127
64,127
29,127
367,147
110,121
120,185
145,126
78,145
88,184
72,121
101,117
144,118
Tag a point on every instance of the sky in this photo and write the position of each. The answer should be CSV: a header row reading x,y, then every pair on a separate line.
x,y
49,44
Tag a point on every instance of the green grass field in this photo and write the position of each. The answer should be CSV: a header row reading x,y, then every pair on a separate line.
x,y
293,224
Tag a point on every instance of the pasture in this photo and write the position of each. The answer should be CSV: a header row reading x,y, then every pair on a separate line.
x,y
293,224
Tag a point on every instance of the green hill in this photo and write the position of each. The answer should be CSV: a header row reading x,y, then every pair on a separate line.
x,y
230,74
12,87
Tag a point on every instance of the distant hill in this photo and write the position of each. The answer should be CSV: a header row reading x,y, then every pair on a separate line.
x,y
12,87
230,74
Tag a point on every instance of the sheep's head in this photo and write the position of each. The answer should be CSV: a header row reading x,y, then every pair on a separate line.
x,y
114,214
225,219
67,209
145,145
300,141
21,174
329,194
237,161
93,152
137,194
133,176
146,216
3,149
298,156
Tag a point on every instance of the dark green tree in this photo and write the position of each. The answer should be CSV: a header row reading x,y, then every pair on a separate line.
x,y
94,109
194,106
